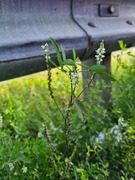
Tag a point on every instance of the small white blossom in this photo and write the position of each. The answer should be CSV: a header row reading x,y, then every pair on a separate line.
x,y
15,173
74,78
100,53
43,126
43,46
40,135
24,169
16,136
118,135
121,122
11,166
53,128
46,51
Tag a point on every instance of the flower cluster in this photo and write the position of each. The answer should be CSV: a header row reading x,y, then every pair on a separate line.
x,y
40,135
117,133
121,122
48,59
11,166
41,132
100,53
74,78
24,169
118,130
46,51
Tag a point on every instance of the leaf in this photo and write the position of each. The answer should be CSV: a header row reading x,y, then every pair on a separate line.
x,y
23,158
74,54
106,76
69,62
53,63
63,54
97,68
100,69
75,173
56,47
83,65
122,45
81,108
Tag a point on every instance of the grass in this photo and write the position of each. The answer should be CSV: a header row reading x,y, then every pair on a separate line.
x,y
25,102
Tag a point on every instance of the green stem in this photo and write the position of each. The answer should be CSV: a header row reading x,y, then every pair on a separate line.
x,y
58,108
51,148
87,86
67,119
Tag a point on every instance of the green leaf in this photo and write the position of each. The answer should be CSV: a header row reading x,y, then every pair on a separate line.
x,y
56,47
23,158
74,55
106,76
53,63
83,65
122,45
69,62
97,68
75,173
81,108
63,54
100,69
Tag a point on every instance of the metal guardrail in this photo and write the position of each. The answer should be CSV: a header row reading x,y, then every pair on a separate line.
x,y
106,20
25,25
80,24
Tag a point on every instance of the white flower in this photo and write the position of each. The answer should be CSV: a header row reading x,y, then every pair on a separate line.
x,y
15,173
46,50
74,78
100,53
121,122
11,166
101,49
40,135
115,129
47,53
16,136
43,126
118,135
43,46
46,46
24,169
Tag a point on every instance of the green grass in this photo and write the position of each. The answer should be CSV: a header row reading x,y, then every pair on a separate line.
x,y
123,68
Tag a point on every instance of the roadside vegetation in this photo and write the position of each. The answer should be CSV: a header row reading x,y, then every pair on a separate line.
x,y
47,130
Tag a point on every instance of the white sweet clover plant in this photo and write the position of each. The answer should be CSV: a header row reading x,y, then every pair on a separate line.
x,y
70,67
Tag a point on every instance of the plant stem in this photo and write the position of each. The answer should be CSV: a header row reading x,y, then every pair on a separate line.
x,y
67,119
87,86
51,148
